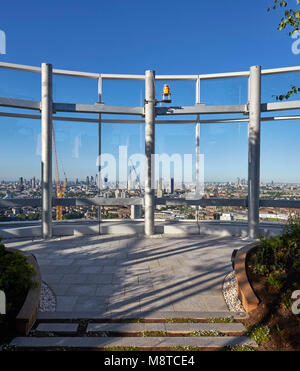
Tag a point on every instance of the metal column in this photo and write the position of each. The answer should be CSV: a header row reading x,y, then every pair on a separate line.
x,y
46,138
99,152
197,135
254,150
149,151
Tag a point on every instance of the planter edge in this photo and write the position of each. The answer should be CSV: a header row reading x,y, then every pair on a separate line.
x,y
245,292
28,313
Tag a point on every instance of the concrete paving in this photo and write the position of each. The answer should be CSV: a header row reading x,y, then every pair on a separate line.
x,y
139,342
126,274
170,328
57,327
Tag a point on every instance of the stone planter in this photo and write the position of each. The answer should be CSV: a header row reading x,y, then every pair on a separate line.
x,y
27,314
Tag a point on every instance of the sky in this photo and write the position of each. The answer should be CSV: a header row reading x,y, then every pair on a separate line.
x,y
131,36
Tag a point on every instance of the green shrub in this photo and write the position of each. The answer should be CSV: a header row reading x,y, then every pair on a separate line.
x,y
221,320
206,333
260,269
260,334
15,279
279,254
276,280
286,299
240,348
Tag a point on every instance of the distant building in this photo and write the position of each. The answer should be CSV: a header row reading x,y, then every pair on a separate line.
x,y
33,182
160,183
159,193
226,217
136,212
172,186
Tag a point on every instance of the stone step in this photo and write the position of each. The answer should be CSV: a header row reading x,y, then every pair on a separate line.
x,y
57,327
151,316
146,343
168,328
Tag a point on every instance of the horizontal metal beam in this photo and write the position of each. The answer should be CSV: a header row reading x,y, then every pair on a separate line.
x,y
157,122
102,201
176,77
202,202
112,76
200,109
20,202
223,75
20,67
289,204
96,201
20,103
92,75
97,108
280,106
272,71
89,75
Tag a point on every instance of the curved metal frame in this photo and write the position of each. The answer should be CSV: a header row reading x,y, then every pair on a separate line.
x,y
149,112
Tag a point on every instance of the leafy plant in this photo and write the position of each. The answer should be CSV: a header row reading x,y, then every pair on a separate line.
x,y
206,333
15,278
221,320
154,333
121,349
241,348
186,349
287,299
279,330
260,269
291,16
279,254
276,280
260,334
181,320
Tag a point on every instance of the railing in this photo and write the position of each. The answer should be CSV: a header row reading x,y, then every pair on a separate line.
x,y
102,201
254,119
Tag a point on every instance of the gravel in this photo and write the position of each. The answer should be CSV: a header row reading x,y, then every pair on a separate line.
x,y
230,293
47,300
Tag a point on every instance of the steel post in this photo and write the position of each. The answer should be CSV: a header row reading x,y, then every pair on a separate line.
x,y
149,151
254,150
46,139
197,135
99,180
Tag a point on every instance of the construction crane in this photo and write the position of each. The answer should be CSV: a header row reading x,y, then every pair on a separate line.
x,y
60,188
137,178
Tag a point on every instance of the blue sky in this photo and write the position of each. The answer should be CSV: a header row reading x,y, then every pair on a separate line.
x,y
131,36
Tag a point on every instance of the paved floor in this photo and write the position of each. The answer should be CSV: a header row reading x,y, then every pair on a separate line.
x,y
128,274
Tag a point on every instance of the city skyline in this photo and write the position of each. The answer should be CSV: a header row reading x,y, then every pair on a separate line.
x,y
205,50
93,180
